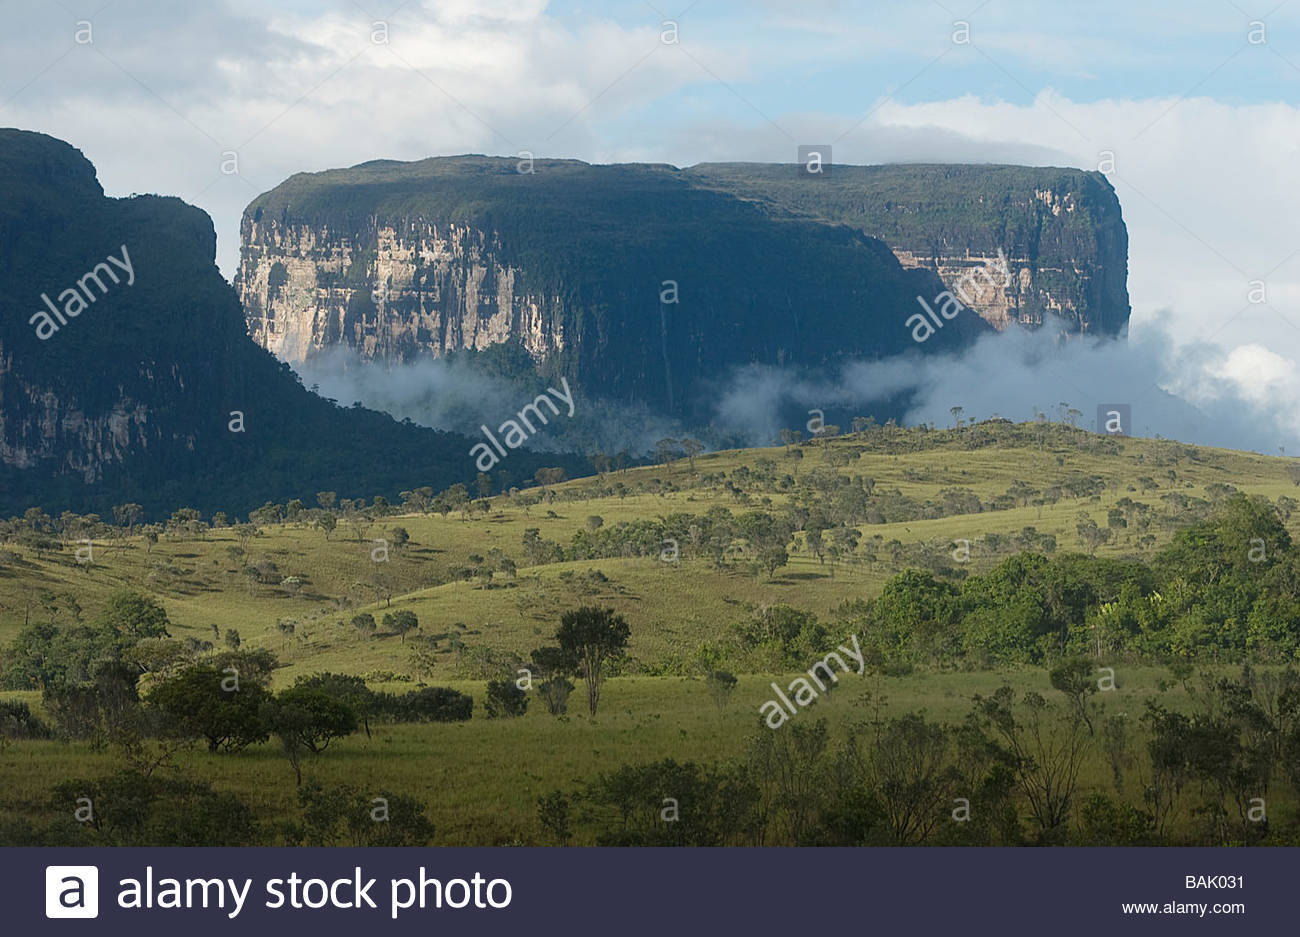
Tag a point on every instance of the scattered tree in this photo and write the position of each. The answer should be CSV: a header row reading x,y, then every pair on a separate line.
x,y
591,637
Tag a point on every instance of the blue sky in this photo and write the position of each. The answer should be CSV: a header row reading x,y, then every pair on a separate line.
x,y
843,56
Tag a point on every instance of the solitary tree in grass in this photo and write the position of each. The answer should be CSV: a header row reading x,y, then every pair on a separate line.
x,y
772,557
401,622
692,448
327,523
590,637
307,719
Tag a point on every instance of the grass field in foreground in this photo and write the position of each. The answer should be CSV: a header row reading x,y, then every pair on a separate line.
x,y
480,780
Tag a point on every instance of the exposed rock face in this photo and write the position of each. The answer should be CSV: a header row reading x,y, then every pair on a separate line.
x,y
428,289
1060,231
635,282
40,427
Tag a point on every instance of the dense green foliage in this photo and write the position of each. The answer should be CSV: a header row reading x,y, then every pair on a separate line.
x,y
44,655
1008,775
1226,586
209,704
505,699
134,809
429,704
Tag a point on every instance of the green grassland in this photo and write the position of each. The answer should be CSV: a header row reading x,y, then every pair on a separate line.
x,y
480,780
672,607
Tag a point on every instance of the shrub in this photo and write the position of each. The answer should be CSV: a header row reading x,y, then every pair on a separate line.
x,y
553,813
1106,822
17,722
431,704
505,699
555,693
130,809
343,814
721,683
669,804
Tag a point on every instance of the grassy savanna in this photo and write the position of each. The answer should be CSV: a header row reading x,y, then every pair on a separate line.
x,y
489,580
672,606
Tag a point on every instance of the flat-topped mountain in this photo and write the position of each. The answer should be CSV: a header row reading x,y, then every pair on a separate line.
x,y
636,282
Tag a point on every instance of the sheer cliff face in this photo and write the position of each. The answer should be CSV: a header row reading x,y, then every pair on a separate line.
x,y
402,260
632,281
41,425
1081,280
1060,231
417,289
80,400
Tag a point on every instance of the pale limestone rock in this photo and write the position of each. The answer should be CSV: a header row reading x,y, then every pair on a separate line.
x,y
422,289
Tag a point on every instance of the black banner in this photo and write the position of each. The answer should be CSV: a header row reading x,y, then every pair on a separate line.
x,y
649,891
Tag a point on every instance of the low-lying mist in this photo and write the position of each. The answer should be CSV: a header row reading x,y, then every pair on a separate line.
x,y
1195,393
460,396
